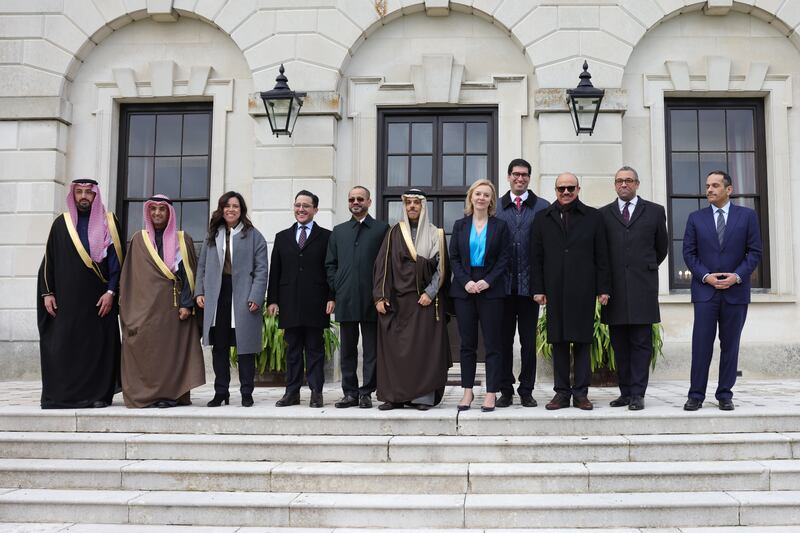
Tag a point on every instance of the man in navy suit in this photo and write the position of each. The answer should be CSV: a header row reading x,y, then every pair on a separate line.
x,y
721,247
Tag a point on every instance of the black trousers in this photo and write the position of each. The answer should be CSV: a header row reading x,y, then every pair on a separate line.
x,y
581,367
488,312
309,340
524,311
633,346
222,337
349,355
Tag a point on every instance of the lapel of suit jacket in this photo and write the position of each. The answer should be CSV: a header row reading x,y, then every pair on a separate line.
x,y
614,206
710,220
220,242
640,205
465,241
489,229
734,218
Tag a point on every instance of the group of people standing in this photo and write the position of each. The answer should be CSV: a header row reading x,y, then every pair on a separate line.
x,y
393,288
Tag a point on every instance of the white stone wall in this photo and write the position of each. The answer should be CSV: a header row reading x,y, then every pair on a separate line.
x,y
66,65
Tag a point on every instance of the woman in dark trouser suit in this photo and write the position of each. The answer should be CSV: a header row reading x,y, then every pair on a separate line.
x,y
479,260
231,284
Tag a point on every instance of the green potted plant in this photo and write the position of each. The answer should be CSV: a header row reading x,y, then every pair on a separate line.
x,y
601,354
271,360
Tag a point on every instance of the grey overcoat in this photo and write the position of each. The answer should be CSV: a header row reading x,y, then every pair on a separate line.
x,y
249,277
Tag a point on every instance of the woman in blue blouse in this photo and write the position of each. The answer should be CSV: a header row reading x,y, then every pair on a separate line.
x,y
479,260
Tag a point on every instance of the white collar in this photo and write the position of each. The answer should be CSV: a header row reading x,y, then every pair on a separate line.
x,y
725,208
522,197
621,202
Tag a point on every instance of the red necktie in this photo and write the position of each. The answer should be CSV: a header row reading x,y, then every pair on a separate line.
x,y
626,215
518,201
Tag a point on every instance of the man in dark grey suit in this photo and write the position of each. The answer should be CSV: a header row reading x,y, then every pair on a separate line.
x,y
636,231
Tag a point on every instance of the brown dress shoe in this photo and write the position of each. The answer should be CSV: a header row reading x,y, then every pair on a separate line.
x,y
559,401
583,403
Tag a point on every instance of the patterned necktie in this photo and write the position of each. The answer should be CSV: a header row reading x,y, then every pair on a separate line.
x,y
720,226
301,241
518,201
626,215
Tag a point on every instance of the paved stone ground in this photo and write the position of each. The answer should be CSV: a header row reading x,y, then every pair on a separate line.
x,y
661,395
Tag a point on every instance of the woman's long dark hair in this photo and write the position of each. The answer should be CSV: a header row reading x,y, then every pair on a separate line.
x,y
218,220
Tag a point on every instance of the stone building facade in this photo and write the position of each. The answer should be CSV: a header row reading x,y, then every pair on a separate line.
x,y
433,93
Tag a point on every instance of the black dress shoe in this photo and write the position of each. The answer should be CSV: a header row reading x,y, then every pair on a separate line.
x,y
99,404
316,400
637,403
365,401
463,407
289,398
622,401
692,404
527,400
247,400
388,406
559,401
726,405
219,399
505,400
421,406
346,401
485,409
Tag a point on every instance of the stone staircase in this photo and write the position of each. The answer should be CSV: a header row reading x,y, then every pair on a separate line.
x,y
327,468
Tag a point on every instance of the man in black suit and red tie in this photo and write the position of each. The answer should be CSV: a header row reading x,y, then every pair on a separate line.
x,y
298,292
721,248
636,231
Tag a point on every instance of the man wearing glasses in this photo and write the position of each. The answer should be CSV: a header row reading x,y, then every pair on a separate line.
x,y
637,243
517,208
569,272
352,249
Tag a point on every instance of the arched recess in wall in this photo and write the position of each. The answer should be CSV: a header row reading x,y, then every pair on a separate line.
x,y
733,55
148,62
418,61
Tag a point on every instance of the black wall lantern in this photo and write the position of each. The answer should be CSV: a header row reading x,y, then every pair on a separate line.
x,y
282,105
584,103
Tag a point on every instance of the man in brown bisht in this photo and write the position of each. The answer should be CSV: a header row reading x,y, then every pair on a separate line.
x,y
161,355
409,278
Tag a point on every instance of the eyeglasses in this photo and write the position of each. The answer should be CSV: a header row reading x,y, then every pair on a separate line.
x,y
354,199
626,181
520,175
564,188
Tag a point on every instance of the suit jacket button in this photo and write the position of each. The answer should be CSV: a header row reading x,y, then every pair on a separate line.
x,y
566,250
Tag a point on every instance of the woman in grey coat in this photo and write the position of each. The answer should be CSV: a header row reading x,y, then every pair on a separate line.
x,y
231,284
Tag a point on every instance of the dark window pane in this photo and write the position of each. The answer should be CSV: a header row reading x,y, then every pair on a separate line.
x,y
142,135
712,129
451,211
477,137
421,170
421,138
742,168
196,132
685,174
398,171
194,219
452,170
740,129
194,177
398,138
168,134
681,208
710,162
680,274
683,125
476,167
453,137
140,177
134,222
168,176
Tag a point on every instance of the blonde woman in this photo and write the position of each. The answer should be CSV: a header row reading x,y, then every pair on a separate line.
x,y
479,261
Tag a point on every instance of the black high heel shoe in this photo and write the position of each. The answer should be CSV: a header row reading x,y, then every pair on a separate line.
x,y
247,400
218,399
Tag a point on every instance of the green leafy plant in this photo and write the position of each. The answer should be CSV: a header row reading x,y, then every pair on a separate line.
x,y
272,357
601,354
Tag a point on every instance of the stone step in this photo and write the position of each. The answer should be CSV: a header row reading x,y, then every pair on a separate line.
x,y
401,449
20,527
443,420
400,478
632,510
